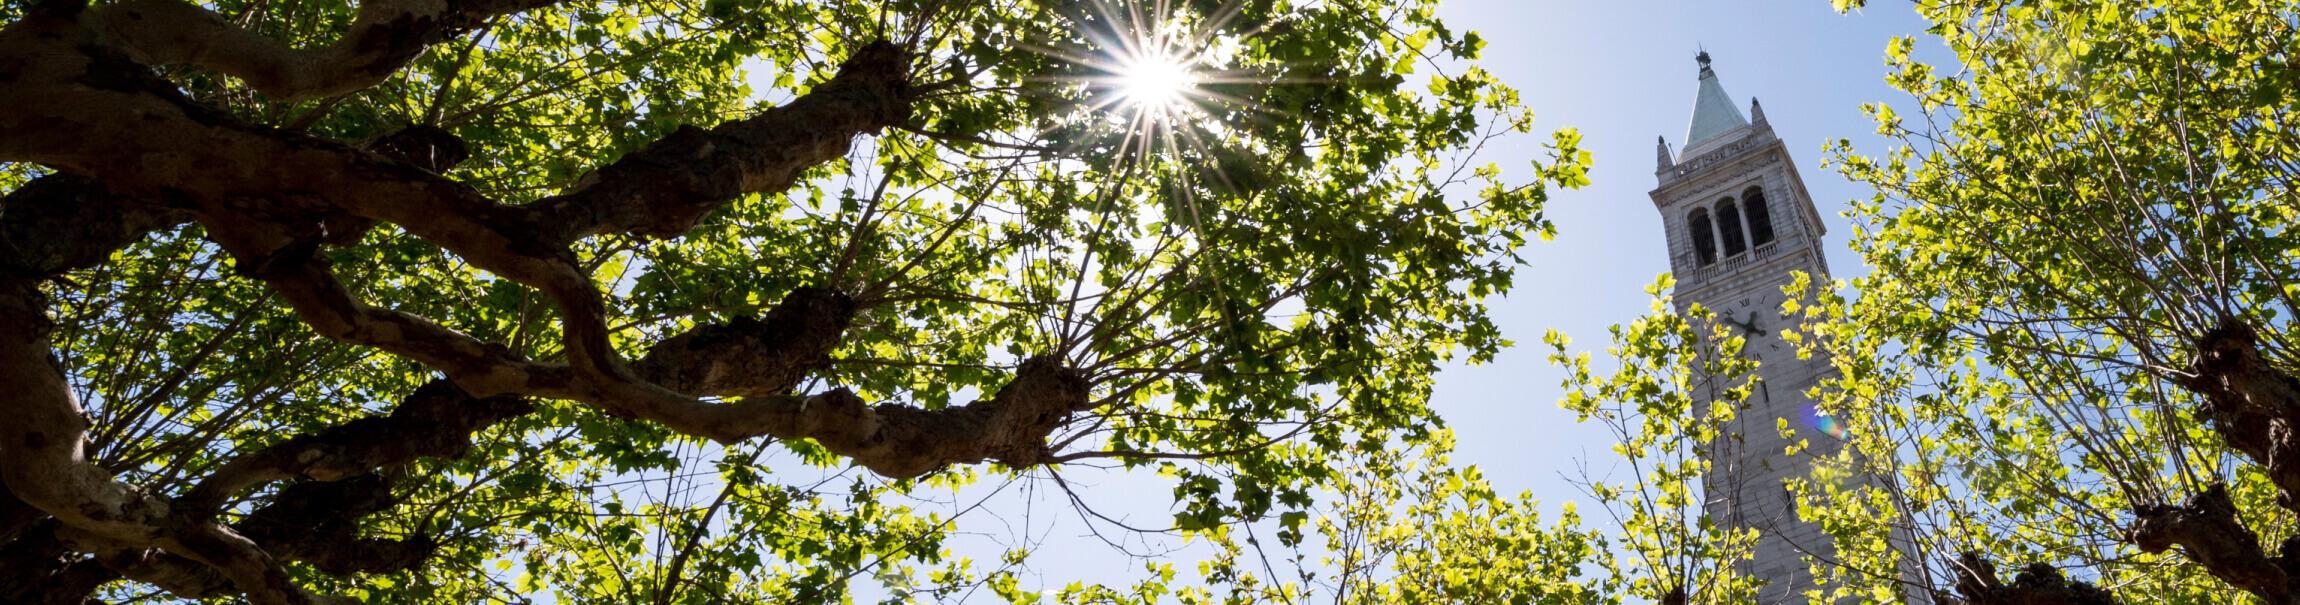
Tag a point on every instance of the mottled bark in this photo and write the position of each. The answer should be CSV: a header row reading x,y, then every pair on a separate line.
x,y
38,569
317,522
384,37
2037,584
42,446
764,357
62,222
661,190
2208,531
437,421
2252,404
314,521
902,441
134,155
2255,407
43,460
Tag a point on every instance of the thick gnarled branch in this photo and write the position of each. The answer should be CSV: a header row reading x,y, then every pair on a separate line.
x,y
2207,529
2037,584
43,460
437,421
317,522
900,441
763,357
2255,406
663,189
231,177
61,222
384,37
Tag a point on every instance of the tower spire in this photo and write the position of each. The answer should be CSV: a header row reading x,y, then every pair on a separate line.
x,y
1714,113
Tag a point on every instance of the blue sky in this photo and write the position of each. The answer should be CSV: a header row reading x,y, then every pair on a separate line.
x,y
1622,72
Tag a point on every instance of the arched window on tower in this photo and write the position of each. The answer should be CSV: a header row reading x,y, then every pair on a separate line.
x,y
1760,217
1704,242
1729,225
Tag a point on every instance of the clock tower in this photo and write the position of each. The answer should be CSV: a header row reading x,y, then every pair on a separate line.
x,y
1738,223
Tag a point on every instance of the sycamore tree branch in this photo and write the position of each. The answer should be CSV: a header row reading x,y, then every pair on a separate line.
x,y
900,441
764,357
2255,407
313,521
2207,530
384,37
44,461
61,222
272,198
758,361
662,189
2037,584
436,421
236,175
2252,404
43,457
317,522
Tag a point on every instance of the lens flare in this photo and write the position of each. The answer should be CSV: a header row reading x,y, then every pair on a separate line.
x,y
1826,424
1158,83
1152,70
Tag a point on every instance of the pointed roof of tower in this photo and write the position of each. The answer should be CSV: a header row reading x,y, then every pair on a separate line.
x,y
1714,113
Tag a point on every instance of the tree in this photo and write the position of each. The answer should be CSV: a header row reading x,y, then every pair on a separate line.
x,y
1406,525
1672,403
464,300
1410,527
2076,348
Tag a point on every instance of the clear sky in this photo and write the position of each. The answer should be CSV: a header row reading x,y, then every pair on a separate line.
x,y
1622,72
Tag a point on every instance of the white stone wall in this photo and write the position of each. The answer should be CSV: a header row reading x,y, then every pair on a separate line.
x,y
1745,486
1747,476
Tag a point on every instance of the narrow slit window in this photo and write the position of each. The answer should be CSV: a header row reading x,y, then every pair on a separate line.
x,y
1729,226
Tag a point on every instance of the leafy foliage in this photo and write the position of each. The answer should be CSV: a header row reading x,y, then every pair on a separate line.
x,y
2071,221
1675,400
1249,290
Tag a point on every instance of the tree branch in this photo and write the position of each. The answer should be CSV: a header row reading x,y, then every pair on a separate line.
x,y
663,189
2255,406
38,569
2037,584
43,460
2207,530
61,222
384,37
436,421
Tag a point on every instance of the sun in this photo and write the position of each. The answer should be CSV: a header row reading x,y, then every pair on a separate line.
x,y
1155,74
1152,63
1157,81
